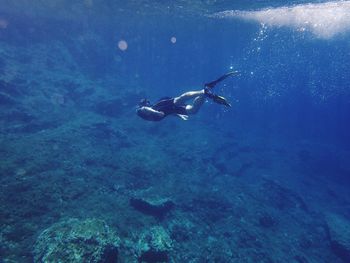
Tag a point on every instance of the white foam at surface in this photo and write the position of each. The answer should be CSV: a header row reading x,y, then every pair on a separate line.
x,y
324,20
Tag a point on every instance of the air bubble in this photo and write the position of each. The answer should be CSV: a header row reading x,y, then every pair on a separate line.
x,y
122,45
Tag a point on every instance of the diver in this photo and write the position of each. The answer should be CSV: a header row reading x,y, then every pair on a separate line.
x,y
177,107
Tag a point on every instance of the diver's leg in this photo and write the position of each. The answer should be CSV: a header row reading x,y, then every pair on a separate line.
x,y
197,103
188,96
212,84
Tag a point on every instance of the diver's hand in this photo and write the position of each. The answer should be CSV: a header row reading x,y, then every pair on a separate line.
x,y
233,73
182,116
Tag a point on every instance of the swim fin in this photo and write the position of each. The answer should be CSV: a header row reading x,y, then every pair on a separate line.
x,y
216,98
221,100
213,83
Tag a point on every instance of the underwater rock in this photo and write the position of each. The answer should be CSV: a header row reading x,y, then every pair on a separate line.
x,y
157,210
242,170
280,197
74,90
34,127
2,68
220,166
110,108
154,245
210,208
267,221
77,241
154,256
103,130
300,259
180,233
19,116
339,231
6,100
9,89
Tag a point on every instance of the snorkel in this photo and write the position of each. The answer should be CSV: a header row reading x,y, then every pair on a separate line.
x,y
144,103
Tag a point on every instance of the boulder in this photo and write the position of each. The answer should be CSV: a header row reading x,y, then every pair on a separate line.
x,y
157,209
77,241
339,231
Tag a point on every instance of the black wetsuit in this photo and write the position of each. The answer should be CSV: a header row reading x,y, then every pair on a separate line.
x,y
168,106
164,105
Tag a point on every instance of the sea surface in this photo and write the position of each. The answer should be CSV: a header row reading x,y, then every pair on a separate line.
x,y
84,179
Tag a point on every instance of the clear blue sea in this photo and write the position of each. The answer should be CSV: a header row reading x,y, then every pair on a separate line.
x,y
84,179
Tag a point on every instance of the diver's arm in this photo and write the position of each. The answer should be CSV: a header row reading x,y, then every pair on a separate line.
x,y
151,112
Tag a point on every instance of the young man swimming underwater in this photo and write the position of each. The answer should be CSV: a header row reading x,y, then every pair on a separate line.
x,y
176,106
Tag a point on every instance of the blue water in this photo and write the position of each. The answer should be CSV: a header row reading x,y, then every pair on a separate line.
x,y
263,181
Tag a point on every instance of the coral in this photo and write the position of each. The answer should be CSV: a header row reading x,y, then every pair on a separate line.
x,y
77,241
154,245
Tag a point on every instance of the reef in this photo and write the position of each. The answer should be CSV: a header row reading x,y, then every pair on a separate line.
x,y
153,246
76,241
84,180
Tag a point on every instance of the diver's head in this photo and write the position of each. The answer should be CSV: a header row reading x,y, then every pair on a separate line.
x,y
140,110
144,103
145,111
